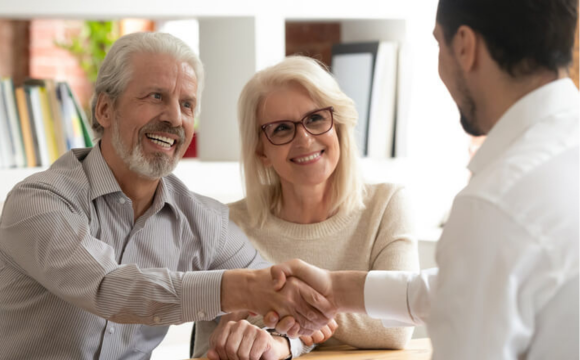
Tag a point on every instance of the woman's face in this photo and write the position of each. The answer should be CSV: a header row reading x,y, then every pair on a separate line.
x,y
307,160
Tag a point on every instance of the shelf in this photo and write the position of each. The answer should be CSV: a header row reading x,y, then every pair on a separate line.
x,y
180,9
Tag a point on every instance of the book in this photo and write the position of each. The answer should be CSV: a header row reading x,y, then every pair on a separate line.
x,y
367,72
5,141
86,129
71,121
39,122
56,112
48,122
382,115
26,127
14,122
37,119
353,67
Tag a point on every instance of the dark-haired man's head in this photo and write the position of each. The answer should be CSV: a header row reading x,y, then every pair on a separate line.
x,y
523,37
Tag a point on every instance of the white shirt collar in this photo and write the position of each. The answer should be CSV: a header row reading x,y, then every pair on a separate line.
x,y
534,107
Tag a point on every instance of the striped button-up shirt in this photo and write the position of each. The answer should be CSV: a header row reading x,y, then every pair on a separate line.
x,y
80,278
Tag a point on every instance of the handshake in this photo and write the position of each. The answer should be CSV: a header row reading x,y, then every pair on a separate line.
x,y
296,298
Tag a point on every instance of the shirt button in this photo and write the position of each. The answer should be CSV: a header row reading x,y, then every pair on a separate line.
x,y
121,200
201,313
157,319
112,330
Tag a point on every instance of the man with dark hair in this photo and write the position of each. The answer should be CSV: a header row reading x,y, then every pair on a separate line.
x,y
507,282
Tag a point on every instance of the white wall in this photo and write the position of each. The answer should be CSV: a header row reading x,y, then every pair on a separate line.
x,y
232,50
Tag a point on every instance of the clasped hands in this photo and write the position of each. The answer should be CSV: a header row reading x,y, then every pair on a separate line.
x,y
295,298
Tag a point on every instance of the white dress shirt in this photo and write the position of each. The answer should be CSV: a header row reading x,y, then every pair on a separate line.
x,y
507,283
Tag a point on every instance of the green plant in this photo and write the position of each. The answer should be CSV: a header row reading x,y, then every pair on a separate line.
x,y
92,44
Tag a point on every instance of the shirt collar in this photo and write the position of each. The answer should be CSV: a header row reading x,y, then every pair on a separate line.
x,y
533,108
103,182
101,178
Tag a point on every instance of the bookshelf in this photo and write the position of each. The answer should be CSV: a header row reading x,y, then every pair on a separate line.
x,y
250,35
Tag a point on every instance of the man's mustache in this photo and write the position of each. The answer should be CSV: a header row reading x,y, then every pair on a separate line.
x,y
165,128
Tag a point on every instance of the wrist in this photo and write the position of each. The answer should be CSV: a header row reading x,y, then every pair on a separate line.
x,y
282,346
233,292
348,290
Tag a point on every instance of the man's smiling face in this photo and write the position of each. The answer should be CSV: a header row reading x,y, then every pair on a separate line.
x,y
154,117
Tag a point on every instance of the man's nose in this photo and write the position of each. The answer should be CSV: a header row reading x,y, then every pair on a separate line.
x,y
173,114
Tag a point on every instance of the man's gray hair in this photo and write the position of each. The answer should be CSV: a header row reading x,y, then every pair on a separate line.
x,y
116,71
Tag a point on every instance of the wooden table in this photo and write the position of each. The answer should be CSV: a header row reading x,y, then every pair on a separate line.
x,y
417,349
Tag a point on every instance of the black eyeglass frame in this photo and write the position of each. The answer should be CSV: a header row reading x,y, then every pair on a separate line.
x,y
330,108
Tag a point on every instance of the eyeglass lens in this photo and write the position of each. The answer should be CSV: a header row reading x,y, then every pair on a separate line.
x,y
315,123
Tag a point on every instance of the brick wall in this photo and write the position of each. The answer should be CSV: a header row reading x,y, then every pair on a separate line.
x,y
14,38
48,61
314,39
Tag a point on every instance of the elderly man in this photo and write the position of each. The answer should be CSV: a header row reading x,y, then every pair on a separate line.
x,y
100,253
507,284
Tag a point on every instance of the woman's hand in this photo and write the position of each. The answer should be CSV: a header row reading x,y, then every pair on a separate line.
x,y
321,335
240,340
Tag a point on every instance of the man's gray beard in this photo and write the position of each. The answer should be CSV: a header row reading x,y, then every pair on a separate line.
x,y
156,167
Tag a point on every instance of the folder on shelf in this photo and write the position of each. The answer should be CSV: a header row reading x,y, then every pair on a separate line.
x,y
6,156
86,129
382,117
14,123
39,124
71,121
33,129
48,122
26,127
55,110
353,67
367,73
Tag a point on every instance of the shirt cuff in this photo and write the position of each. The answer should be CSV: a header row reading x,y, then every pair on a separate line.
x,y
386,297
201,295
297,348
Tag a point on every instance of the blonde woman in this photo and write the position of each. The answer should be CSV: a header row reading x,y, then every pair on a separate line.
x,y
305,199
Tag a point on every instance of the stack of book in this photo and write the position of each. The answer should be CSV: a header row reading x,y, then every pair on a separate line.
x,y
39,122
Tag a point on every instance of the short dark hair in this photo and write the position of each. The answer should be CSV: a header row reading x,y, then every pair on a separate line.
x,y
522,36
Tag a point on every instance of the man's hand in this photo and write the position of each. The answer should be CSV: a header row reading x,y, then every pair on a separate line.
x,y
343,289
253,290
240,340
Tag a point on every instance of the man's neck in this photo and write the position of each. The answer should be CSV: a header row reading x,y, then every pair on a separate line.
x,y
139,189
506,92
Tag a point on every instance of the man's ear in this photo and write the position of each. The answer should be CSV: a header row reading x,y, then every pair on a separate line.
x,y
465,47
104,110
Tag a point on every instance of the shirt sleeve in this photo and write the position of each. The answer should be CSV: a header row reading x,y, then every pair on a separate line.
x,y
487,265
202,289
400,298
47,237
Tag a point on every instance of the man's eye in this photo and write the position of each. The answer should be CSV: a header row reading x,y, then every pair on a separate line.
x,y
187,104
156,96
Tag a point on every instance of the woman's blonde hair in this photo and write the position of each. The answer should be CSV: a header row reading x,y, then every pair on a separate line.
x,y
263,187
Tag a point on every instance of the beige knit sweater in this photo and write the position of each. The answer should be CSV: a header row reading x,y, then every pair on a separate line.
x,y
379,237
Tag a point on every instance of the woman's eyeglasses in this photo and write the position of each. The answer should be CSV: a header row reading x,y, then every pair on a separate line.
x,y
316,122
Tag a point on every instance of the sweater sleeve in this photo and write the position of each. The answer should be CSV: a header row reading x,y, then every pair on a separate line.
x,y
395,248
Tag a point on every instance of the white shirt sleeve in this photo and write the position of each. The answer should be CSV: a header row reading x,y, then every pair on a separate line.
x,y
399,298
